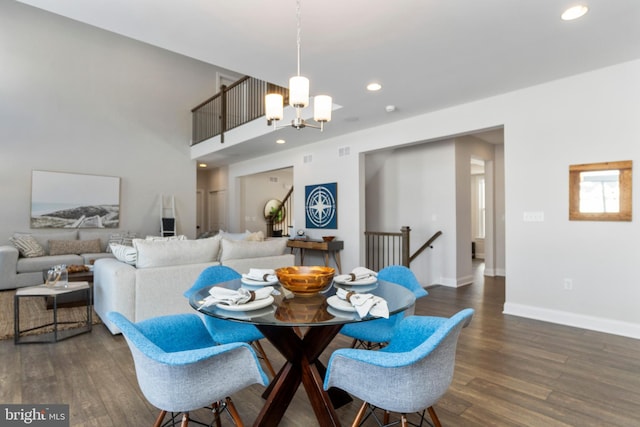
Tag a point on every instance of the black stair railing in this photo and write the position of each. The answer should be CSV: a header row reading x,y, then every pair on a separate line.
x,y
279,222
235,105
392,248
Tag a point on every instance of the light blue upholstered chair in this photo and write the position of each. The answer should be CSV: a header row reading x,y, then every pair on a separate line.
x,y
376,333
225,331
409,375
180,368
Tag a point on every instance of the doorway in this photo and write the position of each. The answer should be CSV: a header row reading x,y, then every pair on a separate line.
x,y
478,208
217,210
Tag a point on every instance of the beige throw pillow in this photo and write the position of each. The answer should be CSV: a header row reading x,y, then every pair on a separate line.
x,y
257,236
27,245
75,247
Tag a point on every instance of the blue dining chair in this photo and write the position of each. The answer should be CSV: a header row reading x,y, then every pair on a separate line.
x,y
376,333
180,368
409,375
225,331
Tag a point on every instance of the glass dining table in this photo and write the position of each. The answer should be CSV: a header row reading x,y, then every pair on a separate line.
x,y
301,327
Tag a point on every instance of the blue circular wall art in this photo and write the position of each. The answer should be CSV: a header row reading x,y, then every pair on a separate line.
x,y
321,206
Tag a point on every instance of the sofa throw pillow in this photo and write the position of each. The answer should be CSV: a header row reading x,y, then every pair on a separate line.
x,y
124,238
74,247
161,253
241,249
234,236
97,233
27,245
44,237
124,253
257,236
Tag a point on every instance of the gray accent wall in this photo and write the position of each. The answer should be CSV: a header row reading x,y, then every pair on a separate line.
x,y
74,98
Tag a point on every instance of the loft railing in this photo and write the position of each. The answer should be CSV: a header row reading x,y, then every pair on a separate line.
x,y
235,105
281,219
389,248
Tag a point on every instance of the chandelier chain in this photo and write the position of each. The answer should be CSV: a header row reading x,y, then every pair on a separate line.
x,y
298,38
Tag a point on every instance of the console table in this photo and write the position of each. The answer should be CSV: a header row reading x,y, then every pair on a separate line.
x,y
333,247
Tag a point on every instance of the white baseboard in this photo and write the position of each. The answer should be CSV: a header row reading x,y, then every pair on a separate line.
x,y
616,327
456,282
493,272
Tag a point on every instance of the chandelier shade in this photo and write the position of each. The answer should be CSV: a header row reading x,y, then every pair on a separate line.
x,y
298,92
274,108
322,108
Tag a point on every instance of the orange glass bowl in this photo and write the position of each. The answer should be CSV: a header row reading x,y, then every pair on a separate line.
x,y
303,280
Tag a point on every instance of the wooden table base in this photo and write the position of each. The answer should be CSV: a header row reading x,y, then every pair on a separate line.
x,y
302,366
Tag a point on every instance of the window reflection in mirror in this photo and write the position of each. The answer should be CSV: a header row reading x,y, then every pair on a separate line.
x,y
600,191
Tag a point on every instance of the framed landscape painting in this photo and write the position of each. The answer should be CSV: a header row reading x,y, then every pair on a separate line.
x,y
69,200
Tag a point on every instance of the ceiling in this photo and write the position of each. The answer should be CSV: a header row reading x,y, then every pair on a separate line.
x,y
427,54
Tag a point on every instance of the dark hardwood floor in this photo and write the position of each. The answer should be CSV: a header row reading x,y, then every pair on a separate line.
x,y
510,371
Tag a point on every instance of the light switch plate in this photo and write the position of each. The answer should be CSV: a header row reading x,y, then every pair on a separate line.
x,y
533,216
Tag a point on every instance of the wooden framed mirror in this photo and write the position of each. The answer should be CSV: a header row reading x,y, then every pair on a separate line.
x,y
600,191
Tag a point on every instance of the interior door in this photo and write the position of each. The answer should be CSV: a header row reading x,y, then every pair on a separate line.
x,y
217,210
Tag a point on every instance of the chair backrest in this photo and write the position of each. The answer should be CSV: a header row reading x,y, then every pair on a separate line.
x,y
222,331
212,276
408,375
160,335
178,366
402,276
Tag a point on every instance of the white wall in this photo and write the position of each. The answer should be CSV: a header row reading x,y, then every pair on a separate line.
x,y
257,190
590,117
494,252
78,99
415,186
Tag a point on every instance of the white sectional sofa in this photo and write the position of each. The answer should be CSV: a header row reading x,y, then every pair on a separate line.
x,y
48,248
163,270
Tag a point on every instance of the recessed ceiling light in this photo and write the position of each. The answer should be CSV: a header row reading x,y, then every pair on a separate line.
x,y
202,165
280,141
574,12
372,87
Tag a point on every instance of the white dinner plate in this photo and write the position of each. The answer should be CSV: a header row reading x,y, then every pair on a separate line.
x,y
340,304
367,281
253,305
252,314
357,288
252,282
341,313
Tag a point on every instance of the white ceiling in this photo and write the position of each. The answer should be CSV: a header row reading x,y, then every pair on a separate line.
x,y
427,54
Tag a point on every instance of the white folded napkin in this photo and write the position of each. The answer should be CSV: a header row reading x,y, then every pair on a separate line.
x,y
261,275
218,295
365,303
357,273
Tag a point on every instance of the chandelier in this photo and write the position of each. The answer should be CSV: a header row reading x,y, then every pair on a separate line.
x,y
298,98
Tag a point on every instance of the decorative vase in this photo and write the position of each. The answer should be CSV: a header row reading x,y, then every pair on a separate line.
x,y
58,277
